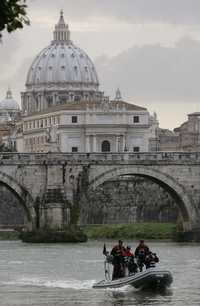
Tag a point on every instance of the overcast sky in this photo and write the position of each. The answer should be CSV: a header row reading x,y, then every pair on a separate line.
x,y
150,49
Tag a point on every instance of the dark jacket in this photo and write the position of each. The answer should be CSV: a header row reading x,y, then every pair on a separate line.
x,y
141,249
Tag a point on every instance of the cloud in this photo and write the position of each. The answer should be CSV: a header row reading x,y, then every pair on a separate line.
x,y
8,48
166,11
154,72
16,81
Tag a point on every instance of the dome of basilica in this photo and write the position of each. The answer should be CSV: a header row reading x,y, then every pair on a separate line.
x,y
9,103
62,65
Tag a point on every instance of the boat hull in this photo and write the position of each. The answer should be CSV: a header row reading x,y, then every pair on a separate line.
x,y
149,279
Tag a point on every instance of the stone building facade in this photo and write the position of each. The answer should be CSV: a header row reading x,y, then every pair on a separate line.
x,y
186,137
10,113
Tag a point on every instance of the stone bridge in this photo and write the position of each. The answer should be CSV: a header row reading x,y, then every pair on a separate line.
x,y
51,185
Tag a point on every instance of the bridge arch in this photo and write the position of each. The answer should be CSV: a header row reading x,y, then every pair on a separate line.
x,y
170,184
23,195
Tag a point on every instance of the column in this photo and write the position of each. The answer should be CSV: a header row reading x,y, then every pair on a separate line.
x,y
123,142
42,102
94,143
87,144
53,98
117,144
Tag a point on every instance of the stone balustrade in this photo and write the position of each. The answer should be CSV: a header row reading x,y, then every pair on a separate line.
x,y
94,158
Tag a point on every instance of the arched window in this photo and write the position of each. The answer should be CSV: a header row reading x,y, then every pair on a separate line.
x,y
105,146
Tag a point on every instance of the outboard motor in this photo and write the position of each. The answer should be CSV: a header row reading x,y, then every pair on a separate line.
x,y
151,260
131,265
141,259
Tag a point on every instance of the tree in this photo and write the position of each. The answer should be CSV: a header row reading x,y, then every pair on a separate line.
x,y
13,15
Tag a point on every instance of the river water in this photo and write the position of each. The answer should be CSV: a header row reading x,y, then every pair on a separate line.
x,y
63,274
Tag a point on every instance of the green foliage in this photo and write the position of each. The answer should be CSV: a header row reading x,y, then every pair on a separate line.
x,y
13,15
70,235
9,235
132,231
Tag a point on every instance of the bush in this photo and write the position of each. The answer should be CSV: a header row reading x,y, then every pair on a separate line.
x,y
131,231
9,235
50,236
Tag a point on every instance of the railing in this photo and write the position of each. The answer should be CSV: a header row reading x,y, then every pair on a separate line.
x,y
98,157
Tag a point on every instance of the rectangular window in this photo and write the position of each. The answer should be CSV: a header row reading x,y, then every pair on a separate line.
x,y
74,119
74,149
136,119
136,149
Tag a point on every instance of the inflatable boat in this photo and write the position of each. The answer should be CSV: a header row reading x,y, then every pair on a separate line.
x,y
151,278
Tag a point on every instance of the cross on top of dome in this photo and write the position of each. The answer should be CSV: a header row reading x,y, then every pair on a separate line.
x,y
61,32
9,94
61,21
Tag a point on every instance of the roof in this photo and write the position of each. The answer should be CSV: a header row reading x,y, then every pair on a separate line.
x,y
194,114
90,105
128,105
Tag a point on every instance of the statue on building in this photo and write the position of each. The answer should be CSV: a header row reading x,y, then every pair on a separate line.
x,y
118,96
52,139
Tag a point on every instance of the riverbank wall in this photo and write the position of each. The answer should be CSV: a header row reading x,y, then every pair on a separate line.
x,y
128,200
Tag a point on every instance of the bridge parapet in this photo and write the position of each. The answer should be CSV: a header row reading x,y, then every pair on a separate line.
x,y
94,158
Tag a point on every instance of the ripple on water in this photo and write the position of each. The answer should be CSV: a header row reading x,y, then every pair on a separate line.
x,y
39,282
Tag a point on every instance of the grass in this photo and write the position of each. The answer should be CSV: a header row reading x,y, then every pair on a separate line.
x,y
131,231
9,235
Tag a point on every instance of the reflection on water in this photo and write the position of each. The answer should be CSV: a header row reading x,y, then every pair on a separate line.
x,y
60,274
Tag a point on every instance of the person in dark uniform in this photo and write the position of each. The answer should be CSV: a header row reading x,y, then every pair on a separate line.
x,y
141,252
118,253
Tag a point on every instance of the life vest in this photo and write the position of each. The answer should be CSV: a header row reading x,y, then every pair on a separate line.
x,y
117,251
128,253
